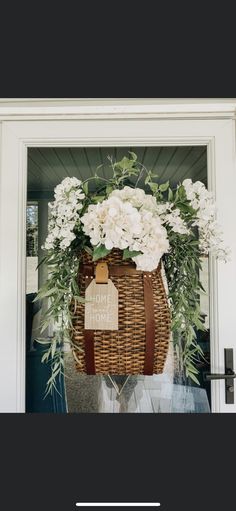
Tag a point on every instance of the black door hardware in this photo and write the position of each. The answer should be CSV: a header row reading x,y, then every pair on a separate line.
x,y
228,376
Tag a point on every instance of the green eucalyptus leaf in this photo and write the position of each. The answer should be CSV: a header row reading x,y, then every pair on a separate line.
x,y
85,187
128,254
181,193
109,189
99,252
134,156
147,179
53,348
43,341
79,299
55,366
45,357
201,287
98,198
43,260
186,208
193,378
164,186
45,294
154,187
45,325
170,195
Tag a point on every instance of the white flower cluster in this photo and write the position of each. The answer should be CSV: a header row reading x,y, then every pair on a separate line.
x,y
132,219
146,202
64,213
172,217
152,241
210,234
174,220
112,223
128,219
137,198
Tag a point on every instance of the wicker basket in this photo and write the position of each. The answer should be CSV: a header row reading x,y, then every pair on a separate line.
x,y
140,344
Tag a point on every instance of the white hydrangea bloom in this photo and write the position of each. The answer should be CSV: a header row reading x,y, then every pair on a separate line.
x,y
210,234
128,219
64,213
112,222
137,197
153,242
147,261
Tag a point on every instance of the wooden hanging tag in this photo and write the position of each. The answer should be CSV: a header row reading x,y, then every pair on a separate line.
x,y
101,273
101,306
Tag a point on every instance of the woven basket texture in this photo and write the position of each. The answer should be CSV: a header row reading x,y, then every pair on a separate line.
x,y
122,351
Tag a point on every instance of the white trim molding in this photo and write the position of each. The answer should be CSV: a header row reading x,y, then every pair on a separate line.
x,y
36,109
218,135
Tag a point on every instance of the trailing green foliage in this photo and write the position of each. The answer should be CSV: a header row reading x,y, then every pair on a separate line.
x,y
181,264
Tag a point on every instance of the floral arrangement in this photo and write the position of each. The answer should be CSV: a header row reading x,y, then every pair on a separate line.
x,y
175,225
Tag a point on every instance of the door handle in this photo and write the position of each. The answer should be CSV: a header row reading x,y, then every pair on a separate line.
x,y
220,376
228,376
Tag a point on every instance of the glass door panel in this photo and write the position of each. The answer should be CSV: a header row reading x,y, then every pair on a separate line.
x,y
169,392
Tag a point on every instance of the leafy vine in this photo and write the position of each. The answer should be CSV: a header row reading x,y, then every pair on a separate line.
x,y
182,263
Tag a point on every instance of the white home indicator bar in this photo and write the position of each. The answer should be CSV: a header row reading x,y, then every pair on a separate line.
x,y
118,504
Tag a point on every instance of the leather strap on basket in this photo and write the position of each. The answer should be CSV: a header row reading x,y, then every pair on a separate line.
x,y
101,273
150,324
89,339
113,270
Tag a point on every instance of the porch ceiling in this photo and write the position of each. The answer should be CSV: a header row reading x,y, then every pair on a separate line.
x,y
48,166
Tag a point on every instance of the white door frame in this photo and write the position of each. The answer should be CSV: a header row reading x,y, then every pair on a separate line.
x,y
109,129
